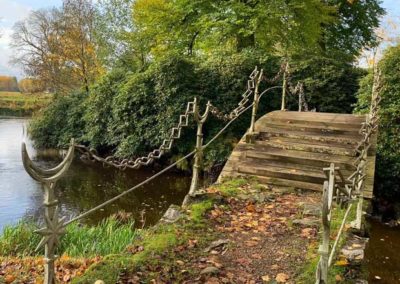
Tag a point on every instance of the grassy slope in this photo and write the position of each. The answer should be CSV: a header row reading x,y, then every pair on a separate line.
x,y
18,104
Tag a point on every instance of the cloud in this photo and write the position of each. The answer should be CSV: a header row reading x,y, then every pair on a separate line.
x,y
10,13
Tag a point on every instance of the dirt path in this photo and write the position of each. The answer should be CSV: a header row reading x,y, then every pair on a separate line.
x,y
251,239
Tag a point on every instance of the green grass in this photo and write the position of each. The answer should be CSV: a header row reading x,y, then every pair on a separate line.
x,y
18,104
108,237
307,272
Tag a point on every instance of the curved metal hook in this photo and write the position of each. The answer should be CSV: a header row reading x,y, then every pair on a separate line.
x,y
49,175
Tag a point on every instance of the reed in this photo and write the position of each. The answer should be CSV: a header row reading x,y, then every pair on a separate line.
x,y
108,237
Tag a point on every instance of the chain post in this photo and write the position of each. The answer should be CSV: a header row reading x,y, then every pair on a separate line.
x,y
54,226
198,158
256,100
283,106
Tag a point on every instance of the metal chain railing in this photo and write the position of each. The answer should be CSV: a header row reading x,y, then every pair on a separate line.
x,y
337,189
292,89
55,226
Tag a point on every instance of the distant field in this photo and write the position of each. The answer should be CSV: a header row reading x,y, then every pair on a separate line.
x,y
18,104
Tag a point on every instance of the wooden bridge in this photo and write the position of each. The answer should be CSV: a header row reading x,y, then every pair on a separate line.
x,y
291,148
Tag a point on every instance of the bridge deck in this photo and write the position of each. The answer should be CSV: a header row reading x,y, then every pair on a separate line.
x,y
291,148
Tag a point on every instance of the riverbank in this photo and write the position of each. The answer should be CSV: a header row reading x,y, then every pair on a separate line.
x,y
235,232
16,104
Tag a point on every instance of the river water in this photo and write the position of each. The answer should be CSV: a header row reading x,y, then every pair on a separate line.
x,y
83,187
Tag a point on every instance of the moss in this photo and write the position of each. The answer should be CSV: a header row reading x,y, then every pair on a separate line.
x,y
198,210
233,187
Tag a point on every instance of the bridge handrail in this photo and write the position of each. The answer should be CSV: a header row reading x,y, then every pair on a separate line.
x,y
348,190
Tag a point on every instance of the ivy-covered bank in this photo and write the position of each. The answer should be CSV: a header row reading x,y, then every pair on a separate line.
x,y
130,112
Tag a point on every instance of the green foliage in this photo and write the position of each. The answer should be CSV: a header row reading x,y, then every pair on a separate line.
x,y
60,121
19,240
130,113
330,85
353,30
108,237
387,183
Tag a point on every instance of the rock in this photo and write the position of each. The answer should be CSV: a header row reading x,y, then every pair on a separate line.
x,y
216,244
172,215
353,254
210,270
307,222
312,210
354,248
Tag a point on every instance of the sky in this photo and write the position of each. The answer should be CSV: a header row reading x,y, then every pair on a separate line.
x,y
12,11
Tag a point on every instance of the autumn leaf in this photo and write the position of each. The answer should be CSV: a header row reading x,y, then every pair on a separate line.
x,y
281,277
265,278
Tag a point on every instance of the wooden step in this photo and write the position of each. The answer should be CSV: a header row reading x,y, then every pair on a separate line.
x,y
313,142
297,145
300,157
312,129
322,119
283,173
291,166
302,135
287,183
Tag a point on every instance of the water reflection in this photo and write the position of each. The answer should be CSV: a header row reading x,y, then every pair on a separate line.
x,y
382,253
85,185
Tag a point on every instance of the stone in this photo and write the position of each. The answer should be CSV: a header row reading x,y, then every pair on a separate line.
x,y
209,270
216,244
312,209
307,222
353,254
172,214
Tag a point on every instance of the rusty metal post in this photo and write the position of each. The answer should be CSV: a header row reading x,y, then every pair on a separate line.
x,y
256,99
54,226
283,106
198,158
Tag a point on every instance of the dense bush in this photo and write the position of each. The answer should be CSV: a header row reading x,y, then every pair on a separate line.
x,y
60,121
387,179
330,85
130,113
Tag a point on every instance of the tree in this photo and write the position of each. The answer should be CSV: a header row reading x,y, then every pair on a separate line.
x,y
30,85
354,29
113,24
203,27
57,46
387,183
8,84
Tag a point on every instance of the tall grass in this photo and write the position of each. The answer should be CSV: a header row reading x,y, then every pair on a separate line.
x,y
108,237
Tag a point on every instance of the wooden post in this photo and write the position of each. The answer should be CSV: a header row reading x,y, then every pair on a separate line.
x,y
198,158
322,270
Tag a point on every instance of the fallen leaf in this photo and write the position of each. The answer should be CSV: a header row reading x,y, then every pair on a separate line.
x,y
265,278
342,262
9,278
281,277
338,278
